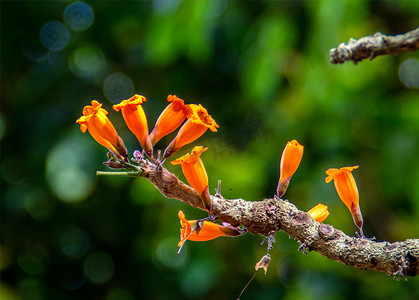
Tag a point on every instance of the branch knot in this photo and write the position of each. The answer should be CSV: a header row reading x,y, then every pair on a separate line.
x,y
326,231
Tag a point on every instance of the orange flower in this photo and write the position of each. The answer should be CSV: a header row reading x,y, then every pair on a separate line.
x,y
198,122
135,118
345,185
347,190
170,119
100,127
290,160
194,170
319,212
208,231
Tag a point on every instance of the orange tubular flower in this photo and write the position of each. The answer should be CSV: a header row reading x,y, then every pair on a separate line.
x,y
290,160
170,119
198,122
208,231
194,170
319,212
348,191
135,118
102,130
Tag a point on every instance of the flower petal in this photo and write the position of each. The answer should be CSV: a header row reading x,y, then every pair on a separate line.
x,y
95,120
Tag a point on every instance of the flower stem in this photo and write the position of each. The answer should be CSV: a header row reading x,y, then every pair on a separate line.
x,y
110,173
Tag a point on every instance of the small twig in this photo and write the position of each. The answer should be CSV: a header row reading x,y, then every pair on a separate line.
x,y
111,173
218,189
238,298
304,247
375,45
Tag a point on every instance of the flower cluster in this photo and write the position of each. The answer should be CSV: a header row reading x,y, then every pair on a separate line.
x,y
344,183
95,120
198,121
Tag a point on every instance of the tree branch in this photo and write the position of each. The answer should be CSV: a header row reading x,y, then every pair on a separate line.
x,y
268,216
375,45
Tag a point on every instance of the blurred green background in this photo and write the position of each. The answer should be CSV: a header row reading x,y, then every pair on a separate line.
x,y
262,70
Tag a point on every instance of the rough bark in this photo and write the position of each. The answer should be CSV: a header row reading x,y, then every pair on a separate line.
x,y
268,216
375,45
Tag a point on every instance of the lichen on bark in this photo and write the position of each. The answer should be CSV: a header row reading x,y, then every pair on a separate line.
x,y
268,216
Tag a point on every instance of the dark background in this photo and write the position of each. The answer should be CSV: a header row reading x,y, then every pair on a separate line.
x,y
262,70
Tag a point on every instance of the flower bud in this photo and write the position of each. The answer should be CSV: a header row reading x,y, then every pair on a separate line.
x,y
290,160
170,119
136,120
319,212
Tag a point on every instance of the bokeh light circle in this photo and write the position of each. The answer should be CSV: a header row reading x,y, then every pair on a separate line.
x,y
66,171
31,288
34,259
119,293
165,7
87,61
98,267
409,73
36,54
39,205
78,16
73,241
117,87
54,36
166,253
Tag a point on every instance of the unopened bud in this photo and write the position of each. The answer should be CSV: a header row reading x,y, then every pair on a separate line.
x,y
113,164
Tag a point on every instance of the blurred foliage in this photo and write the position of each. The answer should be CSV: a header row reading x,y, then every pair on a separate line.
x,y
262,70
